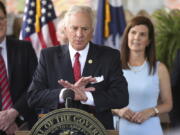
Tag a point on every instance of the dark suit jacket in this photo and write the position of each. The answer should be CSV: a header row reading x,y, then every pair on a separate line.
x,y
55,64
22,62
175,82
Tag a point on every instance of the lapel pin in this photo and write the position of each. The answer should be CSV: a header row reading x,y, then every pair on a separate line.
x,y
90,61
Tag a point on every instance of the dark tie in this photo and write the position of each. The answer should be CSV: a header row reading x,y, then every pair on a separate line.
x,y
77,67
4,85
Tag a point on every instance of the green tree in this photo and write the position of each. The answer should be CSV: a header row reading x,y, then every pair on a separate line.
x,y
167,27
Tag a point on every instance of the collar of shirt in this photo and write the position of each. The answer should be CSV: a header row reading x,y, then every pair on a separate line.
x,y
83,55
4,52
3,45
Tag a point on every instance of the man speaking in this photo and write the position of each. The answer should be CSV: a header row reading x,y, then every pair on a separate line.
x,y
92,71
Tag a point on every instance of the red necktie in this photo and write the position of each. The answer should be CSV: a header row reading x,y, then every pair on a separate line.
x,y
4,86
77,67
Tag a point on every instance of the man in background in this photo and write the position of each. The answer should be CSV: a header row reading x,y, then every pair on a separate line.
x,y
175,83
61,35
17,65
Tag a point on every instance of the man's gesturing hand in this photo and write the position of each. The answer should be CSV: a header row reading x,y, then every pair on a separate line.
x,y
79,87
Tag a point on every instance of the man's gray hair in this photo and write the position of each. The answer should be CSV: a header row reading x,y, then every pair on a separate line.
x,y
79,8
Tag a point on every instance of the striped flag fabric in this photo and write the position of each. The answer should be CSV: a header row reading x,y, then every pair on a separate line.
x,y
110,23
39,24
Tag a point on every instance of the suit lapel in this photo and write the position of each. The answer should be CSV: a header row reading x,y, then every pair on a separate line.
x,y
11,58
65,64
91,61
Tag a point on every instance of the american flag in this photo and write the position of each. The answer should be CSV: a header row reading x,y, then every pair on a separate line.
x,y
39,24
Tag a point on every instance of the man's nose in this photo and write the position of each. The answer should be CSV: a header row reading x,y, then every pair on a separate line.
x,y
79,32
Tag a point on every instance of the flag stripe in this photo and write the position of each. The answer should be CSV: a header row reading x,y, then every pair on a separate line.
x,y
46,33
52,32
41,39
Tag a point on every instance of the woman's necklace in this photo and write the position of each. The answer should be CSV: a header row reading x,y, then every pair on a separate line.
x,y
136,69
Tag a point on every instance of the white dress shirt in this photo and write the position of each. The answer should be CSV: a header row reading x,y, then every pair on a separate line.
x,y
82,59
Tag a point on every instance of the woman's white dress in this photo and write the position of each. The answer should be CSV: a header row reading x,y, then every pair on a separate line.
x,y
143,93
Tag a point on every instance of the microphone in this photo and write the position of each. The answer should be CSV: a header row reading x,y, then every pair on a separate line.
x,y
68,96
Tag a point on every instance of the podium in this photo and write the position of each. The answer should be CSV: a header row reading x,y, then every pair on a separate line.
x,y
109,132
68,121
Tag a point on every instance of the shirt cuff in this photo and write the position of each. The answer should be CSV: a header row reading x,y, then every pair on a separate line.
x,y
90,100
61,100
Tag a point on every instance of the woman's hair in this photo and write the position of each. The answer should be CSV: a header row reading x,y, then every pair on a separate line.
x,y
150,53
2,7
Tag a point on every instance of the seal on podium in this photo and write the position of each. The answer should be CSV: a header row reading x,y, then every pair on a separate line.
x,y
68,121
